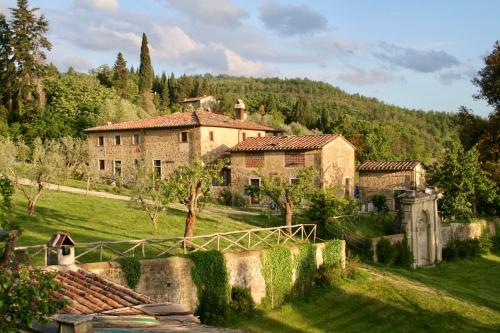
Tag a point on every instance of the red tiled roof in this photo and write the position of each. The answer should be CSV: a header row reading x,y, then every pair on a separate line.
x,y
184,119
59,239
388,165
88,294
293,142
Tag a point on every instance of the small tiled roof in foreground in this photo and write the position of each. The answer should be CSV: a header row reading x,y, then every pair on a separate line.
x,y
184,119
87,293
388,165
285,142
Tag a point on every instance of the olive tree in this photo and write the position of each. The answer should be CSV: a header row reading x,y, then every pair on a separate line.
x,y
31,167
188,184
289,194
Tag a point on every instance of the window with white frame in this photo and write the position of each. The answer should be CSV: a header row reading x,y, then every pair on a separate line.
x,y
118,140
157,167
183,137
136,139
117,168
100,141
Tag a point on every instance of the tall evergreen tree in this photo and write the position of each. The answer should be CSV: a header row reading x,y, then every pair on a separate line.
x,y
165,98
27,43
145,68
303,112
7,67
120,76
172,89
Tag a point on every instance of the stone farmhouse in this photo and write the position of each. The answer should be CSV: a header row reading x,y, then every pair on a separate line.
x,y
167,142
205,103
331,154
389,178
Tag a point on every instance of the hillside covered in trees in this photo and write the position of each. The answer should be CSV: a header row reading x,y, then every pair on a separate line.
x,y
38,100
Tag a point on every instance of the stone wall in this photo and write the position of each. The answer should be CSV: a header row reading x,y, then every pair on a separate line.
x,y
169,279
462,231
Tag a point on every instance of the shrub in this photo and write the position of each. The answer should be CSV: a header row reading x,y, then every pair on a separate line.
x,y
496,243
404,257
462,249
230,198
386,252
485,244
329,275
131,268
277,273
211,278
305,269
352,269
332,253
380,203
241,300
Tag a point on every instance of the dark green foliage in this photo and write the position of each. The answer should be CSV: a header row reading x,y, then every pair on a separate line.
x,y
145,68
404,256
231,198
328,275
380,203
386,252
120,76
305,269
496,243
211,278
485,243
131,268
462,249
277,272
488,79
242,301
332,253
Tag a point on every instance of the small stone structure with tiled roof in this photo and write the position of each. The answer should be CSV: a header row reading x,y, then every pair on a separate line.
x,y
285,142
389,178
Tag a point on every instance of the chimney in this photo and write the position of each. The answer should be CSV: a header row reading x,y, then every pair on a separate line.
x,y
241,112
61,249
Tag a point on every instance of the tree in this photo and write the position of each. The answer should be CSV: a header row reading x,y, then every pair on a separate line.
x,y
488,78
7,68
145,68
120,76
464,183
289,194
303,112
165,95
6,192
40,164
148,192
188,184
172,89
27,43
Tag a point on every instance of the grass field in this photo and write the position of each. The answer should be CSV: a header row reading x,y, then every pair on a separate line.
x,y
462,296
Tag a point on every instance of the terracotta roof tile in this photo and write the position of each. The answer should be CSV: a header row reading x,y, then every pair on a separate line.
x,y
293,142
184,119
88,293
388,165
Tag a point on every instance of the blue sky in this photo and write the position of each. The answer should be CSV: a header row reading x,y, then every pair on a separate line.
x,y
417,54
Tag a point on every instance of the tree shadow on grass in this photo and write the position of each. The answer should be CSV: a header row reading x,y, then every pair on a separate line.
x,y
474,280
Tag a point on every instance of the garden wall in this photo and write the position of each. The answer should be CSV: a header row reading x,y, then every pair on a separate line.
x,y
169,279
463,231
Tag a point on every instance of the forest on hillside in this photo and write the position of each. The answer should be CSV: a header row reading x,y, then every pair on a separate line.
x,y
45,102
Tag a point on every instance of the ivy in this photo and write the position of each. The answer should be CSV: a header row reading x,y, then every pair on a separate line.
x,y
277,272
211,278
332,253
131,268
305,269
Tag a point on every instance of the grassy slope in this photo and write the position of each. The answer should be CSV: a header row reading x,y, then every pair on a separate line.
x,y
453,297
91,219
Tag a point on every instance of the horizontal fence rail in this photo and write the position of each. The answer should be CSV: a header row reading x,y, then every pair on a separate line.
x,y
250,239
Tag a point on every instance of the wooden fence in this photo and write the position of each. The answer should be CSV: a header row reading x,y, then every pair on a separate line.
x,y
250,239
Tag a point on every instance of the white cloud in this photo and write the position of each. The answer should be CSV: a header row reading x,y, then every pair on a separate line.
x,y
237,65
108,5
216,13
361,77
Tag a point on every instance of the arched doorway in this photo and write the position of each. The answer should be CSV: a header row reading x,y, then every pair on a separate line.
x,y
423,239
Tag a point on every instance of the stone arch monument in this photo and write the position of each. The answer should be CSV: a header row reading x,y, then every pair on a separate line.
x,y
421,223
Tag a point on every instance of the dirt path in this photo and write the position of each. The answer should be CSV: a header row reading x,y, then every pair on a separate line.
x,y
69,189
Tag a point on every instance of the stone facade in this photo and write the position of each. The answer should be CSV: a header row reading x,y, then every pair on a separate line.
x,y
165,145
389,184
334,163
169,279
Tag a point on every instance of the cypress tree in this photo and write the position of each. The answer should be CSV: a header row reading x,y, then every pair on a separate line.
x,y
172,89
120,76
7,68
165,98
145,68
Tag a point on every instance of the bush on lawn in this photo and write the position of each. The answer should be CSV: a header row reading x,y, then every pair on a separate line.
x,y
230,198
398,254
462,249
242,301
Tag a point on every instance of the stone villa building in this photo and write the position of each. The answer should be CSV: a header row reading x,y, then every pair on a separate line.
x,y
389,178
331,154
167,142
205,103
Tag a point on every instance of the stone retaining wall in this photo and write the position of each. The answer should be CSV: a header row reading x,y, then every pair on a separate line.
x,y
169,279
462,231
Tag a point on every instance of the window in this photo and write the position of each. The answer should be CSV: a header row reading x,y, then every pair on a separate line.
x,y
211,135
259,135
294,159
294,180
157,167
225,174
184,137
254,160
117,168
243,136
118,140
102,165
100,141
254,198
136,139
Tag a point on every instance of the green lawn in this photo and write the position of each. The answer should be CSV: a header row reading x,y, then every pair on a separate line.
x,y
462,296
91,219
